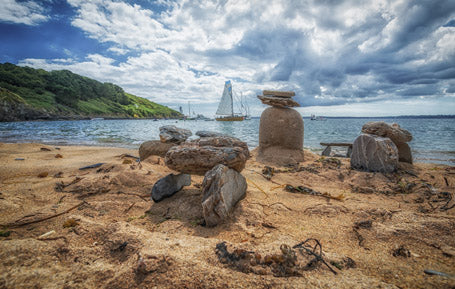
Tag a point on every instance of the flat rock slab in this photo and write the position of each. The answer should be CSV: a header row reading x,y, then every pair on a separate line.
x,y
393,131
173,134
169,185
193,159
287,94
222,188
374,154
278,101
154,148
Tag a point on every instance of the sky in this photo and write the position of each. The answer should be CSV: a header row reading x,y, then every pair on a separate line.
x,y
342,58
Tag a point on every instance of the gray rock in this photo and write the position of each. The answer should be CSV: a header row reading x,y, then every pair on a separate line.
x,y
280,136
169,185
173,134
404,152
374,154
222,188
193,159
277,101
205,133
154,148
394,131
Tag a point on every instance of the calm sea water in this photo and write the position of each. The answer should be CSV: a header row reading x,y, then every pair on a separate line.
x,y
434,139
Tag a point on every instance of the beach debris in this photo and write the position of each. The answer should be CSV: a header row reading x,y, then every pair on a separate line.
x,y
45,149
69,223
60,186
58,156
328,150
332,163
173,134
199,156
438,273
154,148
268,172
364,224
18,223
374,154
46,234
5,233
169,185
120,247
399,137
43,174
280,131
58,175
19,159
206,133
310,191
401,251
291,261
91,166
222,188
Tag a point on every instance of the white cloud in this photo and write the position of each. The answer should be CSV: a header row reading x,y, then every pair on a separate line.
x,y
28,12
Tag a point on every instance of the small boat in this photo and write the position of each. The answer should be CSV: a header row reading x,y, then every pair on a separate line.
x,y
97,118
225,111
313,117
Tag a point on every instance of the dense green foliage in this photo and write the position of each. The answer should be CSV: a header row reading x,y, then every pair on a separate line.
x,y
65,93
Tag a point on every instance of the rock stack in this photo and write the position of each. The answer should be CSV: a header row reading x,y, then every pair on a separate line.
x,y
170,135
381,147
280,130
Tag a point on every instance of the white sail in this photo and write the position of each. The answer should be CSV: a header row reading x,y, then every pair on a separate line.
x,y
226,107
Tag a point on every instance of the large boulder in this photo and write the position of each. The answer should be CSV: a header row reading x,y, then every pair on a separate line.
x,y
154,148
173,134
394,131
374,154
222,188
205,133
169,185
193,159
221,141
280,136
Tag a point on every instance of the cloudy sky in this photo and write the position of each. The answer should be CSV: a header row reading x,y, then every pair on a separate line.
x,y
342,58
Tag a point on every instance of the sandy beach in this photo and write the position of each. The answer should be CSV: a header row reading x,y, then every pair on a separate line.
x,y
62,227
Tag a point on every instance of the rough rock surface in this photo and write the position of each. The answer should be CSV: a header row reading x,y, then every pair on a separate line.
x,y
193,159
280,136
394,131
374,154
278,93
154,148
169,185
205,133
404,152
173,134
222,141
222,188
277,101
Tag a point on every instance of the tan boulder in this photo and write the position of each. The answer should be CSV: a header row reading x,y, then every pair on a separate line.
x,y
154,148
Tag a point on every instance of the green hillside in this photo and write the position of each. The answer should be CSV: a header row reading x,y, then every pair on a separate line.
x,y
63,94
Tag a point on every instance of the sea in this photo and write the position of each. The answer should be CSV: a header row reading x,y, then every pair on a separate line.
x,y
433,138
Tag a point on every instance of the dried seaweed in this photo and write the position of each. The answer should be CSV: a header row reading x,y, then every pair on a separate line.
x,y
310,191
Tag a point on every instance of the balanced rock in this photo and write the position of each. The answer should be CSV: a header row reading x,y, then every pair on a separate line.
x,y
278,93
173,134
277,101
374,154
222,188
280,136
169,185
394,131
154,148
205,133
193,159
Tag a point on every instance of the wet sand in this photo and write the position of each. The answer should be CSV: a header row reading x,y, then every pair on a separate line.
x,y
97,228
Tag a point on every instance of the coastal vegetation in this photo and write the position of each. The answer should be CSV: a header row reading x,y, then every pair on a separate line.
x,y
27,93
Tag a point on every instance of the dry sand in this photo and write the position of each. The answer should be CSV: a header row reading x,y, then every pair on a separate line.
x,y
114,236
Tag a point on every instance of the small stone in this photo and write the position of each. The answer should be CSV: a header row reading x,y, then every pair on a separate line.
x,y
127,162
169,185
278,101
374,154
154,148
43,175
45,150
58,156
173,134
222,188
205,133
278,93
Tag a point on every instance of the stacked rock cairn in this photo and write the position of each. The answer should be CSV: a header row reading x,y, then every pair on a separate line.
x,y
280,129
380,147
218,157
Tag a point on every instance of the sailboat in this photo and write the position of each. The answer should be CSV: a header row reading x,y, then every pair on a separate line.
x,y
225,111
